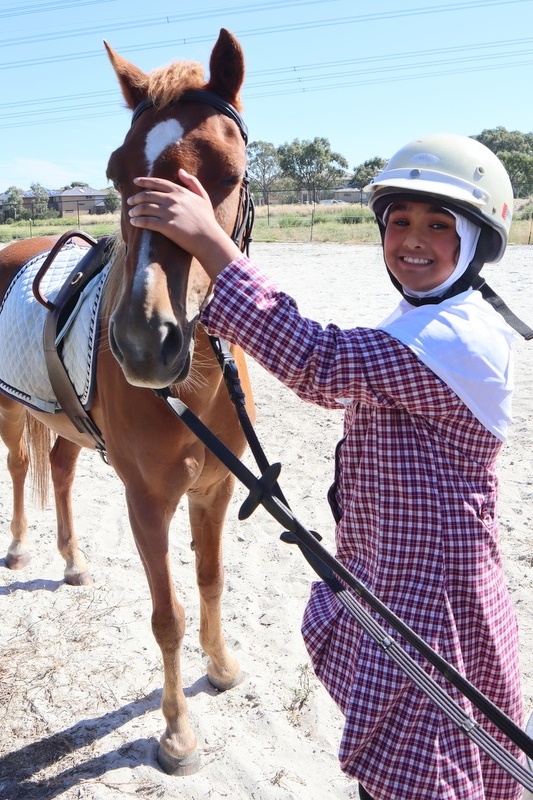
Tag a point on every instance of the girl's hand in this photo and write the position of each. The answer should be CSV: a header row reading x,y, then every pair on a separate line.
x,y
185,215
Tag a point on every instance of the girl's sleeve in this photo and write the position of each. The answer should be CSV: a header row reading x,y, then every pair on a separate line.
x,y
326,366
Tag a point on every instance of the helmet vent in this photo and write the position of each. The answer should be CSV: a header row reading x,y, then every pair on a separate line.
x,y
415,173
479,171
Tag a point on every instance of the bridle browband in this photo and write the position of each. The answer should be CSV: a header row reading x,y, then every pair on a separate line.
x,y
200,96
242,231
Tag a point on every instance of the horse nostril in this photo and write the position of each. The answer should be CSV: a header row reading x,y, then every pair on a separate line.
x,y
172,342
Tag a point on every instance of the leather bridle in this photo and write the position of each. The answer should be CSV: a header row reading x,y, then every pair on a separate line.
x,y
242,231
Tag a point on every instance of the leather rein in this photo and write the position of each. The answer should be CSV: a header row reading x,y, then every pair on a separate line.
x,y
265,491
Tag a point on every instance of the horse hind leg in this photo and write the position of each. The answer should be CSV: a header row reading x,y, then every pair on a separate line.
x,y
63,459
12,421
207,512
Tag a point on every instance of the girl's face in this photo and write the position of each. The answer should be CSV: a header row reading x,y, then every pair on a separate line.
x,y
421,246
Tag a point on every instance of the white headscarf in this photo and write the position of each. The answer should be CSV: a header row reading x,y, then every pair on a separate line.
x,y
463,340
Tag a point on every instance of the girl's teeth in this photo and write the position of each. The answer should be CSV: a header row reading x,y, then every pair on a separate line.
x,y
417,260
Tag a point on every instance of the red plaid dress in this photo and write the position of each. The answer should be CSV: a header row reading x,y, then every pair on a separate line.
x,y
414,499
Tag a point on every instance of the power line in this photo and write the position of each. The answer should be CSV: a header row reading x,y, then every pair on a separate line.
x,y
433,51
294,27
161,19
58,5
392,77
396,68
317,65
65,104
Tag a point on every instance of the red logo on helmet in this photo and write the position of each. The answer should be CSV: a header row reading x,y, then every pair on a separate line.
x,y
506,212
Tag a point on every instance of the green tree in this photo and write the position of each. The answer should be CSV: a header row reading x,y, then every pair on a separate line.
x,y
74,185
515,151
500,140
40,201
111,200
14,203
364,173
520,169
263,167
312,165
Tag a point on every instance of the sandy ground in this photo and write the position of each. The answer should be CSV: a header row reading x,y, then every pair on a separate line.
x,y
80,673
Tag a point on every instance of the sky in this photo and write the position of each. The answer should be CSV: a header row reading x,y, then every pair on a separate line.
x,y
369,77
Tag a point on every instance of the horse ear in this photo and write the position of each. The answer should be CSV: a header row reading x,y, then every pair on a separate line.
x,y
226,69
133,81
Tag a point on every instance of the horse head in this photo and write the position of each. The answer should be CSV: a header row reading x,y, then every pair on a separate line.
x,y
180,120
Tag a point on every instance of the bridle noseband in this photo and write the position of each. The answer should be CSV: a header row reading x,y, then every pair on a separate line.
x,y
242,231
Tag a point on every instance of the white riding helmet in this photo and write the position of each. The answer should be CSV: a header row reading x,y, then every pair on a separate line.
x,y
461,174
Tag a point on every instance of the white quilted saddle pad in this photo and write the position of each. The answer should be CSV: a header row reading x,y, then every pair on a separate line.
x,y
23,373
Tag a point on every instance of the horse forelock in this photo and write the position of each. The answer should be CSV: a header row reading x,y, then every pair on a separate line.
x,y
166,84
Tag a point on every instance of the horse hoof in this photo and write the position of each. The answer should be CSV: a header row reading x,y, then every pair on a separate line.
x,y
17,561
79,579
176,765
223,686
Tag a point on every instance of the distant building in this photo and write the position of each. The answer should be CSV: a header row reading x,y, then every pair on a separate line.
x,y
347,194
68,202
80,200
340,194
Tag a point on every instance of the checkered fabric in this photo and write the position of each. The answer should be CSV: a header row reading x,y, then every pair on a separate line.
x,y
415,501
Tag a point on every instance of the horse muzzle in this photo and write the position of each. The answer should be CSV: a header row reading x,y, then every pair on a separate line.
x,y
155,355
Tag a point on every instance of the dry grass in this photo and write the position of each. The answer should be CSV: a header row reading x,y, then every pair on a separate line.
x,y
342,223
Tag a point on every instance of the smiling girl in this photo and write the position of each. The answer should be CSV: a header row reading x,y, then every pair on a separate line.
x,y
427,406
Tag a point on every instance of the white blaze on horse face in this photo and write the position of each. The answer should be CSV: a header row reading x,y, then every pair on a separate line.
x,y
159,138
163,135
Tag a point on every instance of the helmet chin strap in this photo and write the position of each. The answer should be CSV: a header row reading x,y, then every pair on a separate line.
x,y
497,303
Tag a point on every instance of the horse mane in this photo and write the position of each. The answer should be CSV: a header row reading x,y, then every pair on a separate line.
x,y
166,84
113,281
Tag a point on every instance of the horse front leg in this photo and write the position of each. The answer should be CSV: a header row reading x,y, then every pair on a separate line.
x,y
12,420
63,460
150,519
207,512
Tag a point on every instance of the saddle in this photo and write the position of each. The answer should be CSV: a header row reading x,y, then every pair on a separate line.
x,y
60,325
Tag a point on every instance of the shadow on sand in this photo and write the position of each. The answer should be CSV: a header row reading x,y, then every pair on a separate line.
x,y
18,768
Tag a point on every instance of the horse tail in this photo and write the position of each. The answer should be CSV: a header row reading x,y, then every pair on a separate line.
x,y
39,442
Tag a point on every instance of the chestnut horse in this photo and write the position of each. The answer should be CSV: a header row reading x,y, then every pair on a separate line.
x,y
151,339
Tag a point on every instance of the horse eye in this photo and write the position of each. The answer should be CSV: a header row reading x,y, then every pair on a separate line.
x,y
232,181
